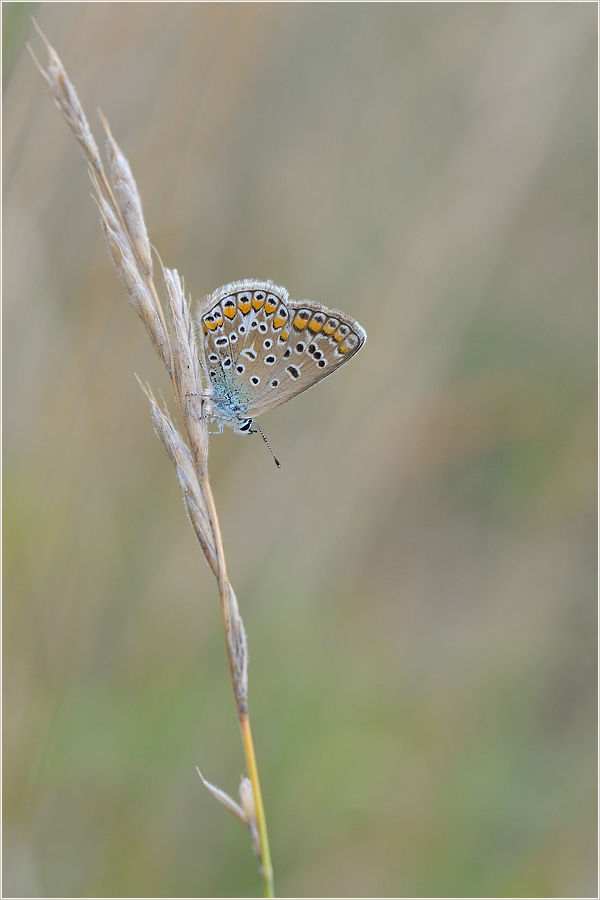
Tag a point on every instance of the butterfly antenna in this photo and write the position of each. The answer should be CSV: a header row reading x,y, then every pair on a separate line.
x,y
260,431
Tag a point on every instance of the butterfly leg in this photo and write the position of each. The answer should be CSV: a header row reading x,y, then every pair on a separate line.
x,y
220,429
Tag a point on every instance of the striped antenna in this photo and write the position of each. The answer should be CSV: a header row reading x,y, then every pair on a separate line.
x,y
258,429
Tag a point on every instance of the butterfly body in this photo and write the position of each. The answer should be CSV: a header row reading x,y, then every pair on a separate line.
x,y
259,348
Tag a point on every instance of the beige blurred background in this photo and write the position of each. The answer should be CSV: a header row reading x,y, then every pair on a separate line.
x,y
418,581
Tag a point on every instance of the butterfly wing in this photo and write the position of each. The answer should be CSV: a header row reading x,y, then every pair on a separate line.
x,y
261,349
234,324
317,343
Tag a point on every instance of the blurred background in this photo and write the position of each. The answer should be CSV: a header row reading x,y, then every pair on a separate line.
x,y
418,581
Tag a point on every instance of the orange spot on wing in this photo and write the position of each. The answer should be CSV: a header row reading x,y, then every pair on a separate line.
x,y
270,306
278,322
299,323
315,326
210,325
258,304
328,329
230,311
244,304
343,348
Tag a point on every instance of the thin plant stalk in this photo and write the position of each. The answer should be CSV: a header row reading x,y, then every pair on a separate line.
x,y
174,339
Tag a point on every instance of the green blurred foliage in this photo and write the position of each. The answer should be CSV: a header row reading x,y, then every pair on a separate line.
x,y
418,582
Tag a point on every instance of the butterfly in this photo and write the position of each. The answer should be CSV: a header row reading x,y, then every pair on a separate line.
x,y
258,349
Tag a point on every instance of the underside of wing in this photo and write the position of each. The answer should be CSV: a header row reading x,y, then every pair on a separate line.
x,y
319,341
261,349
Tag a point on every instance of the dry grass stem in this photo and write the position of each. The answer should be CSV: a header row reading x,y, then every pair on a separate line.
x,y
173,338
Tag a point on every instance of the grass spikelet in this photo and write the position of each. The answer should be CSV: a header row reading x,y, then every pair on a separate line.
x,y
65,97
128,200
